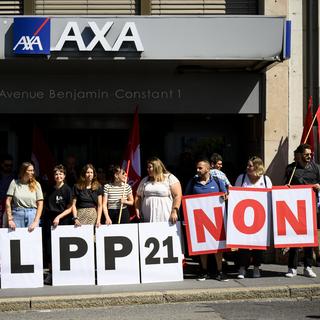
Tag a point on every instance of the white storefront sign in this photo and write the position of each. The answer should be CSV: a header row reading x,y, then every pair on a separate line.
x,y
72,33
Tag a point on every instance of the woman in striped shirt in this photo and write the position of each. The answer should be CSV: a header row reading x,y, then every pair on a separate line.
x,y
116,192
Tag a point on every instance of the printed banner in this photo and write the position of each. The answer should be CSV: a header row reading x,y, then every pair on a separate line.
x,y
294,217
21,258
205,217
117,254
248,218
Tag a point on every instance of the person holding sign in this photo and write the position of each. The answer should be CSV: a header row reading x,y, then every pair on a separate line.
x,y
204,183
26,196
87,198
58,206
254,177
117,192
302,171
159,194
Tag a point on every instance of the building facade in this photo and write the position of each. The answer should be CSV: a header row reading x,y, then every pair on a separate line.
x,y
206,76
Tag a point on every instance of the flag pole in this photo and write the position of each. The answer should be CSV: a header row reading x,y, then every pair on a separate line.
x,y
305,140
123,192
311,127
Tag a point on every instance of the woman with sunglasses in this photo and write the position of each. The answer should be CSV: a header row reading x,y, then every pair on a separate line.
x,y
116,193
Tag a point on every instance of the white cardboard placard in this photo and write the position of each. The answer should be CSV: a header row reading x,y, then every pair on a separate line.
x,y
73,255
205,217
294,217
117,254
160,252
21,258
249,218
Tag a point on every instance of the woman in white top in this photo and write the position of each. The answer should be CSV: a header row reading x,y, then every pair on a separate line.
x,y
117,192
159,194
25,195
253,178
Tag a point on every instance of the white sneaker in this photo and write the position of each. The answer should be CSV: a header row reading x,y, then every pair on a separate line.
x,y
307,272
291,273
256,272
242,273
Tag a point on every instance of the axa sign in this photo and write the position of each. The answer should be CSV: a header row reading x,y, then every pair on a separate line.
x,y
31,35
72,33
32,42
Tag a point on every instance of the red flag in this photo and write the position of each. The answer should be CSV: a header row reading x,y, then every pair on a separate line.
x,y
42,157
132,153
307,134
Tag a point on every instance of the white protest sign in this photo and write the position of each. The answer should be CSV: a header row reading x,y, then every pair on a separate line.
x,y
160,252
21,258
117,254
248,218
205,218
72,255
294,217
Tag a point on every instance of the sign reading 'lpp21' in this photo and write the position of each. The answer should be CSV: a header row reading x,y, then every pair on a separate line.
x,y
125,254
252,214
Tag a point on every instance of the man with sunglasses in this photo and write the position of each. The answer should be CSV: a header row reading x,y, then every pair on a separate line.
x,y
303,171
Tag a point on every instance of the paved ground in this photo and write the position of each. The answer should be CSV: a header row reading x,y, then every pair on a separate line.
x,y
208,310
272,284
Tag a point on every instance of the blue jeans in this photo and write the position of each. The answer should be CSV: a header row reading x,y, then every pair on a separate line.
x,y
23,217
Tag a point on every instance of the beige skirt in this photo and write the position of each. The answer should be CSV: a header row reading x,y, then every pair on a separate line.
x,y
87,215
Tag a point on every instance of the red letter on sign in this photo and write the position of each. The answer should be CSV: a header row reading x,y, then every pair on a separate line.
x,y
258,219
202,221
284,213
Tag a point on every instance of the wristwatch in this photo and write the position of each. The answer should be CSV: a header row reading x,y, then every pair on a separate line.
x,y
75,218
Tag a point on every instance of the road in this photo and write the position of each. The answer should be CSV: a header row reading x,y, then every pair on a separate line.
x,y
285,309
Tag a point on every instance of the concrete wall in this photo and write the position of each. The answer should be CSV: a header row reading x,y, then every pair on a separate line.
x,y
277,108
284,95
296,82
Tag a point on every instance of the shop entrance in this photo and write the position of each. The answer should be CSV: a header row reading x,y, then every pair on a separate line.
x,y
177,139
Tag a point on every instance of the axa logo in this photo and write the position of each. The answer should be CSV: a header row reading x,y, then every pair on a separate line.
x,y
31,35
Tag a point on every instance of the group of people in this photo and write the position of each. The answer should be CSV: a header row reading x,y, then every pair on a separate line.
x,y
157,199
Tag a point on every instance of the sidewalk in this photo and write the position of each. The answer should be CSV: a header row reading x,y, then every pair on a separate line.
x,y
272,284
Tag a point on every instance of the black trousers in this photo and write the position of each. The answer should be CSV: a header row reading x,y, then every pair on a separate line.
x,y
114,215
47,222
244,257
294,256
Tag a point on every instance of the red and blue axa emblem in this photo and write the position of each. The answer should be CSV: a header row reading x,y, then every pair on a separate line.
x,y
31,35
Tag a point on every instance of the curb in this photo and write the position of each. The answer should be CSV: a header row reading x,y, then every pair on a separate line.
x,y
172,296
